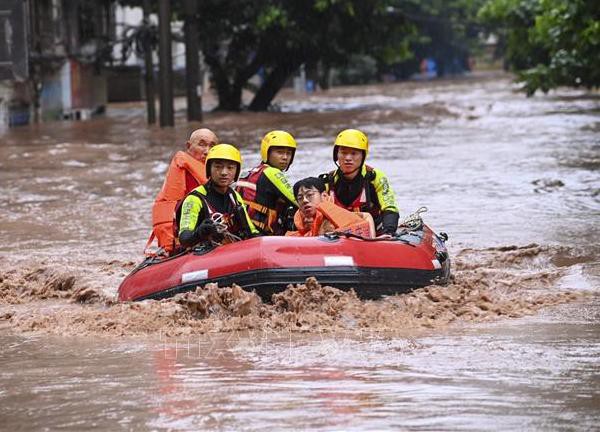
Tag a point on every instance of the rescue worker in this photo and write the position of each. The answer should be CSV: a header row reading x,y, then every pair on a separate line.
x,y
358,187
266,189
186,172
318,215
197,212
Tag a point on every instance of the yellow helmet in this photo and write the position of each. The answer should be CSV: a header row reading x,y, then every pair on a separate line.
x,y
226,152
352,138
277,138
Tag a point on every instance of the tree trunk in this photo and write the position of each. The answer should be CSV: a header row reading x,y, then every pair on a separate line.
x,y
149,69
312,73
230,94
230,99
324,76
192,67
269,89
167,117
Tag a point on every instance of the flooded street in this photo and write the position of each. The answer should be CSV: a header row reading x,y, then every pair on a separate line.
x,y
512,343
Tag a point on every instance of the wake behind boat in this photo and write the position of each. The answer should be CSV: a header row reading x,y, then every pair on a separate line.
x,y
372,267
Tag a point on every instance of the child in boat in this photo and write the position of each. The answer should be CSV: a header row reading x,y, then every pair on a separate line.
x,y
186,172
215,199
318,215
358,187
265,189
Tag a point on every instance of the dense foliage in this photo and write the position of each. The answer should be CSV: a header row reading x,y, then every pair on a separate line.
x,y
361,39
274,38
548,43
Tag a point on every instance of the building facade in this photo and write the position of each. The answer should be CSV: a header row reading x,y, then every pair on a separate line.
x,y
52,54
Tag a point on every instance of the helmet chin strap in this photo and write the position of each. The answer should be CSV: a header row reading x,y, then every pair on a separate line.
x,y
291,160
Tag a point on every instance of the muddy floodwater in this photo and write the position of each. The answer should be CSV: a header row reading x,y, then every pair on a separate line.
x,y
513,342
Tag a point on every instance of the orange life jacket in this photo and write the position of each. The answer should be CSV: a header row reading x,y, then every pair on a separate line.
x,y
173,189
342,220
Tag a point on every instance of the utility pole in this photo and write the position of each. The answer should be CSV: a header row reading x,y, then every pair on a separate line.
x,y
149,66
192,69
165,64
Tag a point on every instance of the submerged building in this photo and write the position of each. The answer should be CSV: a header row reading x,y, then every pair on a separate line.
x,y
52,54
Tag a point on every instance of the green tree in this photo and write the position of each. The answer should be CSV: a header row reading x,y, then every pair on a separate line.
x,y
243,37
548,43
273,38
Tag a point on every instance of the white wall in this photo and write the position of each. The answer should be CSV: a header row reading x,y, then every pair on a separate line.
x,y
125,17
128,16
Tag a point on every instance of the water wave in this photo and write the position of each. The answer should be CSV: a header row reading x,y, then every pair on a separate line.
x,y
488,284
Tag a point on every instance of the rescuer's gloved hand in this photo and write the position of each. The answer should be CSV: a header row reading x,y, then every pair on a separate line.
x,y
207,229
389,222
287,218
389,231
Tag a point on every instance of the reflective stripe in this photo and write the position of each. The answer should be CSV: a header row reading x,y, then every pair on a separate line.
x,y
258,224
194,276
261,210
341,260
257,207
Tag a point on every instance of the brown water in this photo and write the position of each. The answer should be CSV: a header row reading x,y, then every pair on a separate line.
x,y
512,343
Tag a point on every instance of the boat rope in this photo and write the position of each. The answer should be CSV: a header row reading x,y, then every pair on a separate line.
x,y
231,237
337,234
219,221
414,221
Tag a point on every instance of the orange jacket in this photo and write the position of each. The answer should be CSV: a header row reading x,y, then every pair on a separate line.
x,y
173,189
339,218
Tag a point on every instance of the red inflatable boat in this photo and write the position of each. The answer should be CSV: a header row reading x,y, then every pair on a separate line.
x,y
268,264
